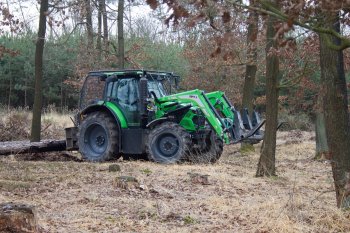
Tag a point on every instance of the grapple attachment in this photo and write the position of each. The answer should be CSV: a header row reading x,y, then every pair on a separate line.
x,y
240,125
246,129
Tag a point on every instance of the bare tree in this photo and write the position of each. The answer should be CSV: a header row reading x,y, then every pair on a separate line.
x,y
251,66
89,28
39,50
99,29
266,165
105,25
335,104
121,52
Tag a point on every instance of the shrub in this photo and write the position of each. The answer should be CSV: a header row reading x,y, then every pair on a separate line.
x,y
299,121
15,125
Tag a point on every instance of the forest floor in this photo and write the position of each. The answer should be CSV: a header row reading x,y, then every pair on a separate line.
x,y
74,196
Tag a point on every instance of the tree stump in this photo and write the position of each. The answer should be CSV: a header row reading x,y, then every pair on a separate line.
x,y
17,218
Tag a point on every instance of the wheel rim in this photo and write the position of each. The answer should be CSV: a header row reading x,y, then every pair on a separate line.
x,y
167,145
96,139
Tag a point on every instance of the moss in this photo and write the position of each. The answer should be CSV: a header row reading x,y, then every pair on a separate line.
x,y
189,220
246,148
146,171
114,168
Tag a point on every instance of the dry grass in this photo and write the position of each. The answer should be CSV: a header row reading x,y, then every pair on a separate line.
x,y
85,197
15,124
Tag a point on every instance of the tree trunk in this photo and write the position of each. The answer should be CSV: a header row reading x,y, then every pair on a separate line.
x,y
320,129
266,165
121,55
105,26
39,50
99,29
336,114
90,32
25,92
62,95
10,94
251,68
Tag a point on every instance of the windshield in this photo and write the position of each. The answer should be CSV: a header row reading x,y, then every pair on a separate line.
x,y
157,88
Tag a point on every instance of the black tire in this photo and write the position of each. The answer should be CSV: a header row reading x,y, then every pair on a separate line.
x,y
211,153
168,143
98,138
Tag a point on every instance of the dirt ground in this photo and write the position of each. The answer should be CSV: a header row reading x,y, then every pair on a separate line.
x,y
73,196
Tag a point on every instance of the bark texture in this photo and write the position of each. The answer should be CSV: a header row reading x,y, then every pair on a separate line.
x,y
251,67
39,50
320,129
336,113
89,29
99,29
121,53
105,26
266,165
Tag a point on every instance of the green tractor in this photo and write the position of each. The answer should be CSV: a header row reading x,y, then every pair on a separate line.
x,y
137,113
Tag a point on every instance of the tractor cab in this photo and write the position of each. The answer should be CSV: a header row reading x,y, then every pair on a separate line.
x,y
101,85
122,89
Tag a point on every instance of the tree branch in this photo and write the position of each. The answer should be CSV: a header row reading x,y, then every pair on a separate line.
x,y
294,81
268,9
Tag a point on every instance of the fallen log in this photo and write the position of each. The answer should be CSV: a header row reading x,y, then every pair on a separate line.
x,y
20,147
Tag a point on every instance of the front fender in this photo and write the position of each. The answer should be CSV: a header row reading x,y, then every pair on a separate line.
x,y
156,122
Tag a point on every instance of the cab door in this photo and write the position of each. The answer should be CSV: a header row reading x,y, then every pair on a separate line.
x,y
124,92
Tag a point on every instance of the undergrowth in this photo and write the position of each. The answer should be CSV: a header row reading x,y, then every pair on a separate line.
x,y
15,124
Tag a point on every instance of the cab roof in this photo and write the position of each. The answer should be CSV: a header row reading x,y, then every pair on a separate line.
x,y
108,73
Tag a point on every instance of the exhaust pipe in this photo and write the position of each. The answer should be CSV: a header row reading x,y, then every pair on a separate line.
x,y
143,101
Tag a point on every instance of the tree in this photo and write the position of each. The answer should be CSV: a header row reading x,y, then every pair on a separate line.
x,y
89,28
251,66
266,165
320,18
102,19
335,104
99,28
121,53
39,50
105,25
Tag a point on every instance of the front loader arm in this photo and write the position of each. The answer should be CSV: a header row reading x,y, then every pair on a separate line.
x,y
198,99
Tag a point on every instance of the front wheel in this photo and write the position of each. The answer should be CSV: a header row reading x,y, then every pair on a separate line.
x,y
98,138
168,143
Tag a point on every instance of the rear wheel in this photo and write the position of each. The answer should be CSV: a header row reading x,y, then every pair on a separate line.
x,y
168,143
210,153
98,137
